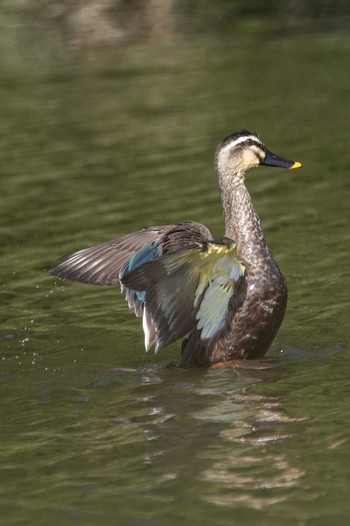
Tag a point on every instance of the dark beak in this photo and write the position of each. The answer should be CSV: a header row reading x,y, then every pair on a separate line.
x,y
274,160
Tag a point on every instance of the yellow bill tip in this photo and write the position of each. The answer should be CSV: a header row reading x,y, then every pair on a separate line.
x,y
295,165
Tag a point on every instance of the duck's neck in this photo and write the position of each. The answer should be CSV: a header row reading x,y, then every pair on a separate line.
x,y
242,223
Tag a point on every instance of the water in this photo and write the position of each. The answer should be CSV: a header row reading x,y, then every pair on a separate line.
x,y
94,145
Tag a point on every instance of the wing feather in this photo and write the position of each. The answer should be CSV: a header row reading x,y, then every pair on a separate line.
x,y
211,314
186,289
101,263
104,263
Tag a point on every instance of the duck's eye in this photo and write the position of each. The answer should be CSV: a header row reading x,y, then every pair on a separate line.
x,y
249,142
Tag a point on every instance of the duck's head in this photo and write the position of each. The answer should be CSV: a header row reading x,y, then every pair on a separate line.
x,y
243,150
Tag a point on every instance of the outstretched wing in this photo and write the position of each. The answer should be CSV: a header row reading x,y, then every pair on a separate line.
x,y
186,289
101,264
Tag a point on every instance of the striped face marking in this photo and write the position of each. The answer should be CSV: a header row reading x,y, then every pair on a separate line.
x,y
245,148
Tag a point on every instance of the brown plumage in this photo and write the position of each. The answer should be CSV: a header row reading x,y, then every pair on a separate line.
x,y
226,298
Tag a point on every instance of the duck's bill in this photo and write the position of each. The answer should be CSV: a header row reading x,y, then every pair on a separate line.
x,y
274,160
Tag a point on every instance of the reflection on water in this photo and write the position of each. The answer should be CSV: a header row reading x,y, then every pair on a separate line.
x,y
226,435
247,474
156,436
99,144
231,474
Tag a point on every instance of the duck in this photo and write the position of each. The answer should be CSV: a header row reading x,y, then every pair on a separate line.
x,y
225,297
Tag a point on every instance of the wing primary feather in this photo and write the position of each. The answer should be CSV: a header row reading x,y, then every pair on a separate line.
x,y
176,277
187,289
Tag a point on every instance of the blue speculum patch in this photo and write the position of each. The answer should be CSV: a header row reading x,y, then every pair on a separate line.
x,y
144,255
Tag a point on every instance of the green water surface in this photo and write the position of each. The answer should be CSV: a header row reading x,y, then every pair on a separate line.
x,y
94,145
